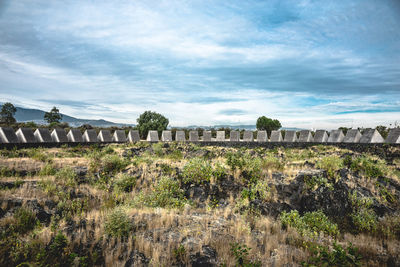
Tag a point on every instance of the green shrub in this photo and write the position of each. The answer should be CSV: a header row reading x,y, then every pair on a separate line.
x,y
235,160
25,221
338,256
47,170
271,162
330,164
67,175
219,172
118,224
158,149
313,182
124,182
363,217
197,170
166,194
369,167
6,172
310,224
249,166
175,154
37,154
113,164
241,254
260,190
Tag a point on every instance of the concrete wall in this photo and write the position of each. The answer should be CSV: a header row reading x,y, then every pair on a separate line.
x,y
369,137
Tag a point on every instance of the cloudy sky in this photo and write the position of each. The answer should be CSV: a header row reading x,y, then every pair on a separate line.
x,y
310,64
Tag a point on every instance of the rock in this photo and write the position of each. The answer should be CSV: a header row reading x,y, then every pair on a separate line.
x,y
208,257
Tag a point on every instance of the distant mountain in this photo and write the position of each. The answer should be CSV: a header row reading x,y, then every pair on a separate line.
x,y
36,115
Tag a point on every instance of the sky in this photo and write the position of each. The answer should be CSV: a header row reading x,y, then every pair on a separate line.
x,y
310,64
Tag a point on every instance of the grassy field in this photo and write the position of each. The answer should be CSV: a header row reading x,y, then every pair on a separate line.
x,y
171,204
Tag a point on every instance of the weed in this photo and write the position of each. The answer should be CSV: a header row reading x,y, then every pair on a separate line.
x,y
166,194
241,254
197,170
363,217
311,224
47,170
68,176
179,253
368,167
118,224
331,165
25,221
124,182
338,256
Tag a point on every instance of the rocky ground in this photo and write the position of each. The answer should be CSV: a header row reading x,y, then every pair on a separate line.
x,y
170,204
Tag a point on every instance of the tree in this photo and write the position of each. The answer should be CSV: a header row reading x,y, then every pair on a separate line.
x,y
7,113
151,121
267,124
53,116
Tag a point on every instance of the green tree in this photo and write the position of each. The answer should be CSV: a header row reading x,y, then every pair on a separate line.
x,y
7,113
267,124
150,120
53,116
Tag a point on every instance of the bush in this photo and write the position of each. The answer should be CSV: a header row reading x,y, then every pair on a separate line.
x,y
166,194
250,167
368,167
124,183
338,256
113,164
47,170
310,224
363,217
68,176
271,163
25,221
197,170
219,172
118,224
241,254
330,164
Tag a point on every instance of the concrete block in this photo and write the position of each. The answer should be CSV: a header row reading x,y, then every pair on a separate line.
x,y
194,136
262,136
393,136
42,135
8,136
25,135
276,136
152,136
59,136
290,136
248,136
336,136
119,136
75,136
180,136
104,136
206,136
220,136
234,136
371,136
306,136
166,136
133,136
90,136
321,136
352,136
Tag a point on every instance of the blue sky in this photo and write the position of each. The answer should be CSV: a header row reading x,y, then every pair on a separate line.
x,y
310,64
